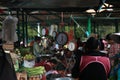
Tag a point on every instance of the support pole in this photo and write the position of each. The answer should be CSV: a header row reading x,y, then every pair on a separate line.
x,y
23,33
89,26
26,31
116,26
18,29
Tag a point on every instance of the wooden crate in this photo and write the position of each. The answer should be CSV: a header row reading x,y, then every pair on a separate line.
x,y
34,78
21,76
8,46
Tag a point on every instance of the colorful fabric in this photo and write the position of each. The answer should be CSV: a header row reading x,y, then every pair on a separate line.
x,y
114,49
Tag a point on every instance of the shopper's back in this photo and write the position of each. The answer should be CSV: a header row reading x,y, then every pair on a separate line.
x,y
92,65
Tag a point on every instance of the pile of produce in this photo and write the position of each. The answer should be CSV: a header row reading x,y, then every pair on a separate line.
x,y
35,71
29,57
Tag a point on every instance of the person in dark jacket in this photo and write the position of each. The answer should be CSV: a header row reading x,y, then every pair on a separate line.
x,y
92,65
7,71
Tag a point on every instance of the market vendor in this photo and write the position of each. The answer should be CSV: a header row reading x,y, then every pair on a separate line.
x,y
36,48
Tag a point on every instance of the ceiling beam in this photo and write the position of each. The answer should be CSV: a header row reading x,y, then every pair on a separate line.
x,y
36,18
97,18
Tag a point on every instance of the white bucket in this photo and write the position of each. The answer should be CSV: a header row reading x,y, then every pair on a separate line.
x,y
29,64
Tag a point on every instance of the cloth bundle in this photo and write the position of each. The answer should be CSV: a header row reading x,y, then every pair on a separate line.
x,y
9,29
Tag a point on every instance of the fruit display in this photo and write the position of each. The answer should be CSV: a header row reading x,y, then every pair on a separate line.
x,y
29,61
29,57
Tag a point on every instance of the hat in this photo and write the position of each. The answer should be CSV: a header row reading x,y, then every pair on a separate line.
x,y
92,43
115,37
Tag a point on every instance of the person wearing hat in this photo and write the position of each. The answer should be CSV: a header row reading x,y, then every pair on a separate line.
x,y
113,51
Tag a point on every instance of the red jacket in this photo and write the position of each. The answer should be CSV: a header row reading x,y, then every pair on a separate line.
x,y
85,60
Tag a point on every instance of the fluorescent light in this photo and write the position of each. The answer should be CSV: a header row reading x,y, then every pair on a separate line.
x,y
107,7
90,11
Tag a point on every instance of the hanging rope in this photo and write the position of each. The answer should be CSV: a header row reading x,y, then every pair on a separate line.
x,y
77,24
